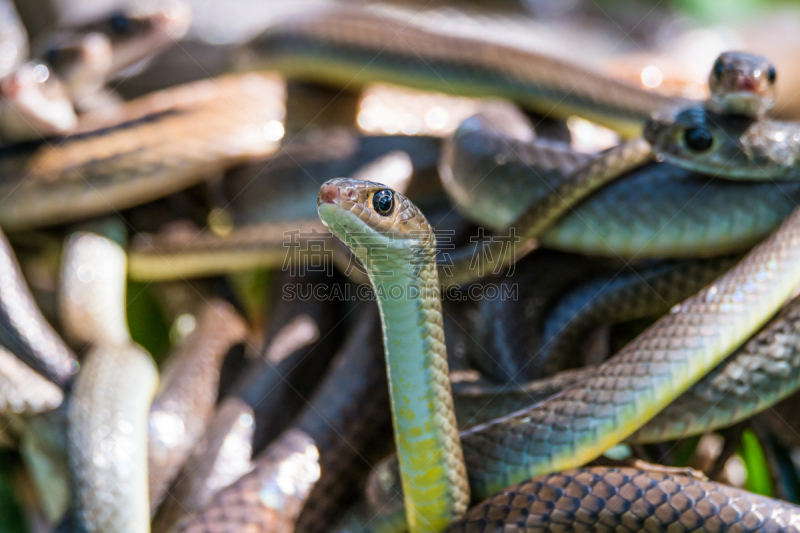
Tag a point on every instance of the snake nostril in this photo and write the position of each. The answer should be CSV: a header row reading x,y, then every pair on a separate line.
x,y
328,193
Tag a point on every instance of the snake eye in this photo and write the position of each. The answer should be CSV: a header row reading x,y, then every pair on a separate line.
x,y
52,56
771,75
120,24
383,202
719,68
698,139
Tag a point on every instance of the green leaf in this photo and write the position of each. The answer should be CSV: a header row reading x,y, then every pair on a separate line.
x,y
759,478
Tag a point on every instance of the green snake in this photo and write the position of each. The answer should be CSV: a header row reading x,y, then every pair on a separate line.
x,y
373,221
580,423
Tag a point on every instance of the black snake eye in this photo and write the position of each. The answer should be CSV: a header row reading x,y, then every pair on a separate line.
x,y
383,202
771,75
698,139
120,24
718,69
52,56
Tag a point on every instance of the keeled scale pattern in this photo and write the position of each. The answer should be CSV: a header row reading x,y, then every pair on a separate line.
x,y
410,258
267,499
108,439
643,378
627,500
185,403
762,372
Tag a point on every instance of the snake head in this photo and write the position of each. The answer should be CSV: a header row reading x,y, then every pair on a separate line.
x,y
136,34
742,84
370,216
735,147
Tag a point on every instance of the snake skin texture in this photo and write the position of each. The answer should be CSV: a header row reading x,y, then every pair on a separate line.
x,y
156,149
625,392
267,499
741,148
632,293
92,294
627,499
478,404
23,391
220,458
108,439
350,421
761,373
644,377
353,47
487,170
189,384
426,433
24,331
658,211
546,210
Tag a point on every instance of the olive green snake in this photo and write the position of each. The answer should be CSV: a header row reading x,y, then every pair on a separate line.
x,y
580,423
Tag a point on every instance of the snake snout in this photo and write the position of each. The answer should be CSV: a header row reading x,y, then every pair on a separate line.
x,y
328,194
746,83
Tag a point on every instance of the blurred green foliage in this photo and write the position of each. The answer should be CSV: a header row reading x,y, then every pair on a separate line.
x,y
146,320
720,11
11,518
759,478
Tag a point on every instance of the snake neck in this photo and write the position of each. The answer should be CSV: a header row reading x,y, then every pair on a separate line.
x,y
426,433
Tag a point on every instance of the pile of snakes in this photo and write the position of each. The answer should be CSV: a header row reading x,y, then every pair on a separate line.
x,y
338,358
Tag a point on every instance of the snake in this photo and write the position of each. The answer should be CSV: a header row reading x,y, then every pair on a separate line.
x,y
92,293
184,404
25,332
100,169
220,458
347,434
623,393
35,105
426,436
670,212
93,302
735,147
759,374
110,403
742,84
609,499
85,57
273,205
349,47
108,438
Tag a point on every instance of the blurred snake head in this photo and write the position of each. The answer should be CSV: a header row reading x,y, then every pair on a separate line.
x,y
375,222
81,61
136,35
742,84
34,105
734,146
